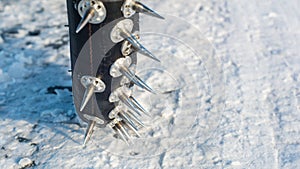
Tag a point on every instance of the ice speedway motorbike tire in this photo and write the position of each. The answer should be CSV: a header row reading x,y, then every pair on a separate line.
x,y
104,42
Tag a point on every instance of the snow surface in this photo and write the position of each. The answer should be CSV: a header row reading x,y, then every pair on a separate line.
x,y
234,64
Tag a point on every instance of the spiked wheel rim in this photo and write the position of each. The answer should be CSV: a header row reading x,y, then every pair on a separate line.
x,y
126,121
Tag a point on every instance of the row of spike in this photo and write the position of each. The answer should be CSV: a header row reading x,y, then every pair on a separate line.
x,y
93,11
124,116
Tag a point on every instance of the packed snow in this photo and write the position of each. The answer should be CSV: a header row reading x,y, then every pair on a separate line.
x,y
229,79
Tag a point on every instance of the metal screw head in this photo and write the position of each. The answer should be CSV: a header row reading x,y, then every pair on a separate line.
x,y
100,10
124,25
98,84
115,68
127,8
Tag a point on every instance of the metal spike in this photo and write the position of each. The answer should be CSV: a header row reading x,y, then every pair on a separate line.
x,y
85,19
141,49
133,117
121,134
87,96
137,45
139,7
125,117
129,103
135,79
131,127
123,130
139,106
89,132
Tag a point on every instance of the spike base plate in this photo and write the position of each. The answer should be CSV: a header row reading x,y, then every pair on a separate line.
x,y
99,7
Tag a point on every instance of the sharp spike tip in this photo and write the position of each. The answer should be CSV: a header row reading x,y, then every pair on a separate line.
x,y
117,129
139,106
140,48
123,130
136,44
129,103
147,53
139,7
131,127
136,119
87,96
125,117
135,79
143,85
89,132
85,19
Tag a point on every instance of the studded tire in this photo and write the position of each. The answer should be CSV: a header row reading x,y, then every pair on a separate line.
x,y
103,44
